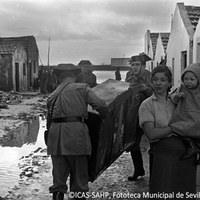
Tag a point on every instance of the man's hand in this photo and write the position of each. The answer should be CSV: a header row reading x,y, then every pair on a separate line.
x,y
143,87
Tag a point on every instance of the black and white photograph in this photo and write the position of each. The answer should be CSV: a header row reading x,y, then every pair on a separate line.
x,y
99,99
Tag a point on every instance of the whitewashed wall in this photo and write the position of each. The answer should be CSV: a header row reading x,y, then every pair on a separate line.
x,y
148,51
160,53
178,42
196,44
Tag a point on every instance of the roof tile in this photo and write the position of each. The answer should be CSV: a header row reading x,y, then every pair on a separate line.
x,y
193,14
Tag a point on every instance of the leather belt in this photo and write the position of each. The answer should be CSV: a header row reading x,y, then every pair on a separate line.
x,y
68,119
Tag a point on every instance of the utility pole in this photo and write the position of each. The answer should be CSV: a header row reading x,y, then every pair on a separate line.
x,y
48,53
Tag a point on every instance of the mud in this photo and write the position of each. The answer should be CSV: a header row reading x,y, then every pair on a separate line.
x,y
112,182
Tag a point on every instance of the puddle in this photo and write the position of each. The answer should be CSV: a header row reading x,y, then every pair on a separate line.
x,y
28,138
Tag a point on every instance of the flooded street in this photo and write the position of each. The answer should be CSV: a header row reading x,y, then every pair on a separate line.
x,y
28,139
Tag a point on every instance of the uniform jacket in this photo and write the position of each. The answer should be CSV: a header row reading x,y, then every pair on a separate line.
x,y
186,118
144,77
72,138
88,78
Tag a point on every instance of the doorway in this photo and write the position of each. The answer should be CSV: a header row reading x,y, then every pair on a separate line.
x,y
30,74
17,76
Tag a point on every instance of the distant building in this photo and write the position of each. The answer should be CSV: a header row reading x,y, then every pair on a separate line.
x,y
13,68
155,48
120,62
18,63
150,48
160,53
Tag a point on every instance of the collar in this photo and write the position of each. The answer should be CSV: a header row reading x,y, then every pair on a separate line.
x,y
154,97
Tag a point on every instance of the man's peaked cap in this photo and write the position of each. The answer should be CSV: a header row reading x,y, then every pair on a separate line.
x,y
141,57
66,67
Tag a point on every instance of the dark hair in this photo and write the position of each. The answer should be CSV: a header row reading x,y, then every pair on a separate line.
x,y
163,69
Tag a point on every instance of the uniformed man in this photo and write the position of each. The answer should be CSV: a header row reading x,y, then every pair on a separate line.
x,y
86,75
138,75
68,139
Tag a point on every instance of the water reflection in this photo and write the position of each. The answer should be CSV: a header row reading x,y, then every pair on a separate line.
x,y
26,133
27,139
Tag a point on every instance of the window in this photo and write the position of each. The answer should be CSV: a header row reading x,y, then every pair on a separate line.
x,y
172,71
183,60
24,69
151,66
198,52
34,66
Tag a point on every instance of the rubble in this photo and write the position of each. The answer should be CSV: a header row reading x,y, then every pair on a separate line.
x,y
20,107
30,164
36,168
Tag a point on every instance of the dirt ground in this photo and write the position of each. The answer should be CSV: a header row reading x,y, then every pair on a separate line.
x,y
111,184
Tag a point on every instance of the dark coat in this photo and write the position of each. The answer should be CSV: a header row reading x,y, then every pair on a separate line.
x,y
88,78
144,77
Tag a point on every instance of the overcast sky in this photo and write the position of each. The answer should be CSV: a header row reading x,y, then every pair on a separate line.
x,y
95,30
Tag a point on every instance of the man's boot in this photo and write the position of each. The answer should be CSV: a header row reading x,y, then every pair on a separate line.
x,y
58,196
138,165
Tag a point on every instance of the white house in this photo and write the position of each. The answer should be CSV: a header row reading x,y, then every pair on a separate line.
x,y
150,48
196,44
160,52
180,44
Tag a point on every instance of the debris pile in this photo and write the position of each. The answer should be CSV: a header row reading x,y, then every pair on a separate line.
x,y
10,98
29,104
30,164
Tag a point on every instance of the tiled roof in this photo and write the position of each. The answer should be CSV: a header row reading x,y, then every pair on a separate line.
x,y
24,41
193,14
164,39
7,48
154,39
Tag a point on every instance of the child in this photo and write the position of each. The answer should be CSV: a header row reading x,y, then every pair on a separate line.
x,y
186,118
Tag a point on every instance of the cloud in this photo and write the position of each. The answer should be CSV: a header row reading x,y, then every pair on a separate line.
x,y
77,28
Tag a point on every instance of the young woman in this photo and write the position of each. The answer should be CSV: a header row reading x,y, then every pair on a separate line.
x,y
169,174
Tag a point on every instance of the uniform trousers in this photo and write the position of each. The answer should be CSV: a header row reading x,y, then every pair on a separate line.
x,y
74,165
136,153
